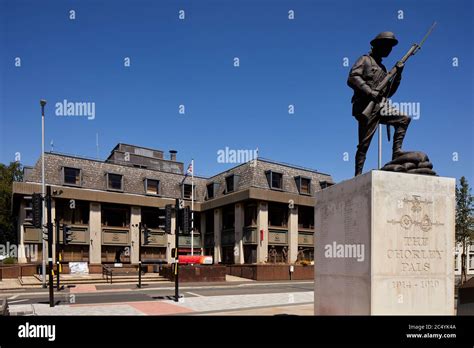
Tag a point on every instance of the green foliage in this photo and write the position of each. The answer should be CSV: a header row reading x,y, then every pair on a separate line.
x,y
9,261
464,221
8,174
464,212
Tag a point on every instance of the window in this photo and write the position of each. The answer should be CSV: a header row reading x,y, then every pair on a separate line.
x,y
456,267
305,217
72,176
471,260
74,215
186,191
303,184
115,215
210,190
278,215
114,182
250,214
325,184
210,221
275,180
228,217
229,183
150,217
152,187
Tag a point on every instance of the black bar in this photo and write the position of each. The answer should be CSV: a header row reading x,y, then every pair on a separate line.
x,y
50,246
354,331
176,268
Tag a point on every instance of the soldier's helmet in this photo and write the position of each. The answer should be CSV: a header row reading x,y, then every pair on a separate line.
x,y
386,37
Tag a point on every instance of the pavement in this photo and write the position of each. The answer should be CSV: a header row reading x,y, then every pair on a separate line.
x,y
146,308
10,284
234,302
305,309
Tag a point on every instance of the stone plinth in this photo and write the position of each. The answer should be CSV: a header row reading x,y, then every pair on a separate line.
x,y
384,245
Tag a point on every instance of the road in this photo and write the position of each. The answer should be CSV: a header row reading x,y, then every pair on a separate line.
x,y
102,294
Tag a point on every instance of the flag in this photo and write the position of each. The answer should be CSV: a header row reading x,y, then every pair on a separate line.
x,y
188,172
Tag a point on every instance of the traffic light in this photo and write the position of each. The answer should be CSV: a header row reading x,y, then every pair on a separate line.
x,y
164,218
37,207
174,253
186,220
146,236
67,234
168,211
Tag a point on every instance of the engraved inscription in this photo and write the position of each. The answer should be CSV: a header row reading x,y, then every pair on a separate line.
x,y
411,284
415,255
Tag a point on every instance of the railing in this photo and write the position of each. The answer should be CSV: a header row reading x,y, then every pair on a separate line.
x,y
106,273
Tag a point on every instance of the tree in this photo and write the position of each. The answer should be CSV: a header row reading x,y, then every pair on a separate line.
x,y
464,221
8,174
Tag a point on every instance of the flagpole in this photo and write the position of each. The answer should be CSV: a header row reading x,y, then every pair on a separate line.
x,y
192,207
43,194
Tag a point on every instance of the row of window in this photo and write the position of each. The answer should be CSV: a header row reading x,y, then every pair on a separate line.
x,y
73,177
231,182
112,215
117,215
275,182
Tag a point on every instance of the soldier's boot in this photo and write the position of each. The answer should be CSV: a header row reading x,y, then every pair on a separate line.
x,y
398,142
359,163
400,132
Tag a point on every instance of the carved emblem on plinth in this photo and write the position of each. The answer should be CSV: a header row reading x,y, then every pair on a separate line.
x,y
424,222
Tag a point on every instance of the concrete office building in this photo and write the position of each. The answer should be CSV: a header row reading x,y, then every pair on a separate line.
x,y
256,212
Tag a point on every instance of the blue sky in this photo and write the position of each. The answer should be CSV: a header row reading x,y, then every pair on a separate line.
x,y
190,62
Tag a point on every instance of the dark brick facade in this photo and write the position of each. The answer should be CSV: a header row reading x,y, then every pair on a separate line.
x,y
94,176
251,175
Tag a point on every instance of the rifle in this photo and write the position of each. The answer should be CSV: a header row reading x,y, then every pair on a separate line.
x,y
376,105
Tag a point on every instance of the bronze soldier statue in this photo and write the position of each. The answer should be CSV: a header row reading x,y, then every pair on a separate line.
x,y
364,77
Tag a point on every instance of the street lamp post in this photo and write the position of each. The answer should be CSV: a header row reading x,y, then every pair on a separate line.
x,y
43,193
